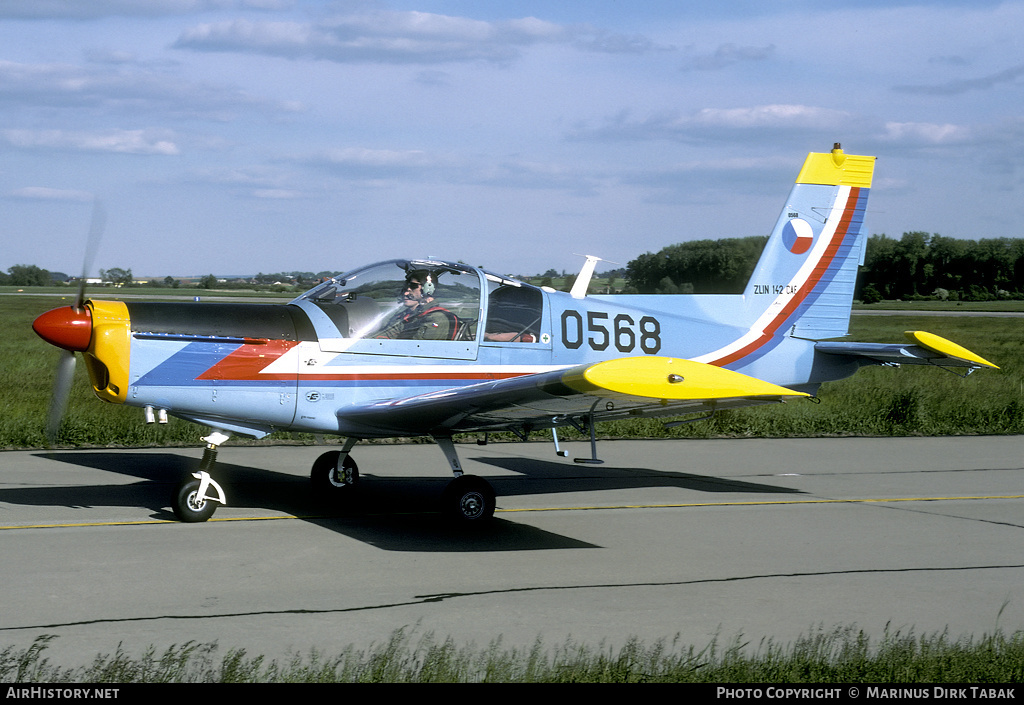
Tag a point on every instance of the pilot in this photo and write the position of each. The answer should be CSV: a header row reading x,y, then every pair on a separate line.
x,y
419,318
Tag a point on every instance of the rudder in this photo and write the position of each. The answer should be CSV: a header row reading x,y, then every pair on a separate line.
x,y
805,279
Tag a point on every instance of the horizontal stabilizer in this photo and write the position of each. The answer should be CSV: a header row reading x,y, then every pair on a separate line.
x,y
947,348
930,349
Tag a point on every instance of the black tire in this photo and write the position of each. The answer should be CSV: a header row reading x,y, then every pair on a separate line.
x,y
186,506
325,476
469,499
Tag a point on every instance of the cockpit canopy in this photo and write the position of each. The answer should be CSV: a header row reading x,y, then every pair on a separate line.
x,y
366,302
374,302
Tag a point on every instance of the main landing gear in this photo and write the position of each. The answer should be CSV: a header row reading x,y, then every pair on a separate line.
x,y
335,471
467,499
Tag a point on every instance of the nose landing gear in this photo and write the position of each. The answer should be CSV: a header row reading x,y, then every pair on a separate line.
x,y
194,500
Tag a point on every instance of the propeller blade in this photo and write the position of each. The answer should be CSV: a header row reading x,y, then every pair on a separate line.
x,y
65,376
92,243
61,392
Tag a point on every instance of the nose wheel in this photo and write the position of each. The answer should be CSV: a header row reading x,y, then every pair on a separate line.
x,y
197,498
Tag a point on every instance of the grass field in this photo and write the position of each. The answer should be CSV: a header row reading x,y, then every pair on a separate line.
x,y
839,655
875,401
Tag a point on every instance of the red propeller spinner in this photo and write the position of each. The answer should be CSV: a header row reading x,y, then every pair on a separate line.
x,y
66,327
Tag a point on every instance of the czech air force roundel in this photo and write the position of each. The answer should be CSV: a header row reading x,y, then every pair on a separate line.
x,y
797,236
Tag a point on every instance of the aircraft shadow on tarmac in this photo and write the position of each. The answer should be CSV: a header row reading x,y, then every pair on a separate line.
x,y
562,477
391,513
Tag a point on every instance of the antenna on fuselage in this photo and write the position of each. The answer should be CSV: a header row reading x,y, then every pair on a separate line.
x,y
579,287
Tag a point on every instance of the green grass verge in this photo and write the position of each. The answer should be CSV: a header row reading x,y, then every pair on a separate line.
x,y
839,655
876,401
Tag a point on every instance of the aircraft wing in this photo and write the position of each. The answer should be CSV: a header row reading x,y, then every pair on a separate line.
x,y
619,388
924,349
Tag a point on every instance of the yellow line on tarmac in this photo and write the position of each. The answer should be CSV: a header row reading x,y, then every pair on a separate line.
x,y
870,500
146,522
762,503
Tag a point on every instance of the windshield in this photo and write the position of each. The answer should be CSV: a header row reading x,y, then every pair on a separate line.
x,y
408,299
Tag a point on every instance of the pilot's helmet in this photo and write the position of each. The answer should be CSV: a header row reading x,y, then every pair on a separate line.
x,y
425,277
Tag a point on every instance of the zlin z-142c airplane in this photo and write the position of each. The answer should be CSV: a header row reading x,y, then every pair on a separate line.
x,y
409,348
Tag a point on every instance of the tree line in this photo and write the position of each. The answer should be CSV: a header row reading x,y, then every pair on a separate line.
x,y
929,266
917,266
697,267
26,275
33,275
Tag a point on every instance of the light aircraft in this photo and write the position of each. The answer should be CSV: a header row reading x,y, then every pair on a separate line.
x,y
410,348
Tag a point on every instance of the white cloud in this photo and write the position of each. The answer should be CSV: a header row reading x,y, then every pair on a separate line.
x,y
255,176
118,141
377,158
521,174
413,38
364,164
394,37
69,86
95,9
722,123
727,55
965,85
925,132
278,194
791,116
42,193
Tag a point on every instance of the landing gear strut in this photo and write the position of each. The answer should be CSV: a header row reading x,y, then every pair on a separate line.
x,y
194,500
467,499
335,471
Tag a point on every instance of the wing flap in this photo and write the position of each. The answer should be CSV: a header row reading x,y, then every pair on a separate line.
x,y
635,386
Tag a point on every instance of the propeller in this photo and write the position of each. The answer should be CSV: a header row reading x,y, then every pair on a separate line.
x,y
61,392
77,326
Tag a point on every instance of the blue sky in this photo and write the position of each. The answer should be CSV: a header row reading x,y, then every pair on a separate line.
x,y
238,136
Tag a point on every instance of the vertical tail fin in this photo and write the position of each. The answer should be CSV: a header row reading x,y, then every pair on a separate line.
x,y
803,284
805,279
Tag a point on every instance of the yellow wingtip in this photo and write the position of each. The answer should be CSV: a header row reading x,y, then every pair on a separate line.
x,y
674,379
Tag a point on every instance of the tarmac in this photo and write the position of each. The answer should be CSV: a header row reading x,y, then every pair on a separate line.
x,y
736,541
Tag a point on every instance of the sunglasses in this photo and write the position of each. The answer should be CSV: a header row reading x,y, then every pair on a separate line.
x,y
413,285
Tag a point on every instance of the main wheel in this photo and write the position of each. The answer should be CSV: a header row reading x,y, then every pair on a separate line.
x,y
189,507
326,476
469,499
